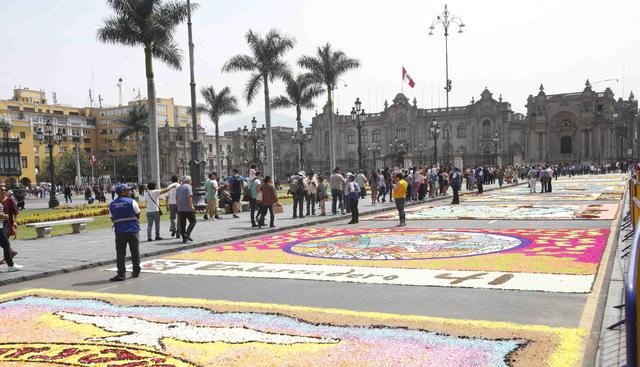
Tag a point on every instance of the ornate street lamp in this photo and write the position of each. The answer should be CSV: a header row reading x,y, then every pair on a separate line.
x,y
395,146
300,138
358,116
435,133
421,148
229,157
375,149
446,21
496,140
50,140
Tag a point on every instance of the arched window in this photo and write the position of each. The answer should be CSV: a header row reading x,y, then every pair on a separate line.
x,y
365,135
446,132
566,145
326,138
351,137
401,133
376,136
462,131
486,129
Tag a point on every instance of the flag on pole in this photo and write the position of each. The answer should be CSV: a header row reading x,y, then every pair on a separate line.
x,y
93,160
407,77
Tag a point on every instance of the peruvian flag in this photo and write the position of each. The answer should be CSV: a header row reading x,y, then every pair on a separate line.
x,y
407,77
93,160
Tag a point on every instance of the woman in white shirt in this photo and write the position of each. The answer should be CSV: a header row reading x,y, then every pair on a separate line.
x,y
152,198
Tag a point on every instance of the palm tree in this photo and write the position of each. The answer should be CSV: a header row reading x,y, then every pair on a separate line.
x,y
217,105
325,68
265,65
300,92
136,123
150,24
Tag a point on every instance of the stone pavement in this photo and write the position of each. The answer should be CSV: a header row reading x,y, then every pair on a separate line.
x,y
65,253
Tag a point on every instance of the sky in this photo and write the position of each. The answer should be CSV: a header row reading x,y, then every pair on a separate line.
x,y
508,46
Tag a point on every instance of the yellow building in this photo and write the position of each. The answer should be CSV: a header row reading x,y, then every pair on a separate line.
x,y
93,130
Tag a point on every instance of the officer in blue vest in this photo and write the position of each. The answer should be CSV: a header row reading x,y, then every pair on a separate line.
x,y
125,215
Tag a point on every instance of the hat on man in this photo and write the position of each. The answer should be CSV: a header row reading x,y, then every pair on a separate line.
x,y
301,173
122,187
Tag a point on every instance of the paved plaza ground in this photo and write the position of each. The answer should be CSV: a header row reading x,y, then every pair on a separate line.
x,y
507,278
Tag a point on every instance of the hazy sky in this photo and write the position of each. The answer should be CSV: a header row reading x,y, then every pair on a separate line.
x,y
509,46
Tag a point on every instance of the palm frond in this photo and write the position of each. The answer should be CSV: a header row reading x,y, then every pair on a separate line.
x,y
169,53
240,63
119,30
281,102
252,87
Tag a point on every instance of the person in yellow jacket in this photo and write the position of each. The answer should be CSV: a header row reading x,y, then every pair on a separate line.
x,y
399,196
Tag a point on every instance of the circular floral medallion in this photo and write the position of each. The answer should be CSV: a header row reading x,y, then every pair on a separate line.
x,y
406,245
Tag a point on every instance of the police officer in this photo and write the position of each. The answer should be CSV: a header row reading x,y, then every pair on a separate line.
x,y
125,215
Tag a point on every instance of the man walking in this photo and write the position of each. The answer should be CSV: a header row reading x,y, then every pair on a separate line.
x,y
186,210
211,189
399,196
254,186
236,188
353,195
297,190
361,180
336,181
152,198
172,208
125,216
532,175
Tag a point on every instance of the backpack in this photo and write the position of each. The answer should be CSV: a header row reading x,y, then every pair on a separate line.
x,y
294,186
236,185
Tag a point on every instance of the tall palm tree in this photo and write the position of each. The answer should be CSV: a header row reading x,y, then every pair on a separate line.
x,y
300,93
325,68
150,24
266,65
217,105
136,124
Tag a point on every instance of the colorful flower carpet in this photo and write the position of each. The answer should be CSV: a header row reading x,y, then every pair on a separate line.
x,y
504,211
55,328
546,197
552,260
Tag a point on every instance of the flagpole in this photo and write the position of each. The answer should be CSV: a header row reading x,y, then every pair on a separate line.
x,y
402,81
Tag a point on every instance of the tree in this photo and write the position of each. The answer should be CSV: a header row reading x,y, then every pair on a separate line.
x,y
65,168
150,24
217,105
136,124
325,68
266,65
300,93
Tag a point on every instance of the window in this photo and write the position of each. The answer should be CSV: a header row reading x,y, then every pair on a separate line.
x,y
326,138
376,136
36,161
210,148
88,150
23,162
351,138
462,131
365,135
486,129
87,140
401,133
446,133
565,145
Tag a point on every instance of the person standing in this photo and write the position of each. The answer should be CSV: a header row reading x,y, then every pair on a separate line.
x,y
323,190
550,174
353,195
67,194
211,190
172,208
479,176
336,181
152,198
456,183
532,175
399,195
269,199
125,216
374,180
8,253
186,210
254,187
296,189
236,188
361,180
312,194
10,208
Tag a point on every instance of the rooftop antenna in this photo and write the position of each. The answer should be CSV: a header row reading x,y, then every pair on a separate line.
x,y
55,98
139,95
100,100
119,91
90,99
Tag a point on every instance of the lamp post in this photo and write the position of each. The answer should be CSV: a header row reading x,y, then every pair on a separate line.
x,y
182,163
300,138
113,160
229,159
421,148
435,133
375,149
358,116
496,140
50,139
395,146
446,21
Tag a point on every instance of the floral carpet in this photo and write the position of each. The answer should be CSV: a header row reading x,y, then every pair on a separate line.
x,y
56,328
505,211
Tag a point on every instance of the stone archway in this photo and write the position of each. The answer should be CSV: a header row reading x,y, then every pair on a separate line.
x,y
561,144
